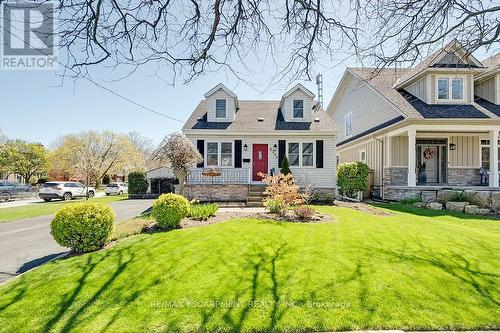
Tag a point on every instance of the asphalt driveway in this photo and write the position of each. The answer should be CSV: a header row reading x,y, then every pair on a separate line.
x,y
25,244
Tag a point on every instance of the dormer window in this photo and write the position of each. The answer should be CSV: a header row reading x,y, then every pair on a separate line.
x,y
220,108
450,88
298,108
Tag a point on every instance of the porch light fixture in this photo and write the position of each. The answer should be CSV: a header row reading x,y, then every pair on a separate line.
x,y
275,148
245,147
453,146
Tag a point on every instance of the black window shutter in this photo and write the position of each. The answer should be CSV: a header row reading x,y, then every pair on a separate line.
x,y
319,154
237,153
281,151
200,144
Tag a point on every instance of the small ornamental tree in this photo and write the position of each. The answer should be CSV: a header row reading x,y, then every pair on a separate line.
x,y
180,154
106,179
285,166
281,192
352,178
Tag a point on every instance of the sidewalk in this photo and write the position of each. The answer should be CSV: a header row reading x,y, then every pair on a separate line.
x,y
33,200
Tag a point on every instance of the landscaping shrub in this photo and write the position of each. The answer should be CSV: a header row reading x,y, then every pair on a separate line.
x,y
137,183
304,212
285,166
202,212
410,201
274,206
169,209
131,227
281,188
460,197
83,227
352,178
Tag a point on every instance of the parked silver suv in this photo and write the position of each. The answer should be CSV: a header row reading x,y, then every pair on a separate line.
x,y
64,190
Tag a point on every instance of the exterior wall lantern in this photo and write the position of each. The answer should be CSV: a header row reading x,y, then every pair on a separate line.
x,y
275,149
245,147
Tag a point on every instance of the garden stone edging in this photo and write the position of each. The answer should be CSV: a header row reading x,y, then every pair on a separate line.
x,y
471,209
443,196
434,206
456,206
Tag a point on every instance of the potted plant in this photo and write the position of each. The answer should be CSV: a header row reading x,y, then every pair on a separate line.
x,y
422,175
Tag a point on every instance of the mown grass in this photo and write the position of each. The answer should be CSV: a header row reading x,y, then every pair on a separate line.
x,y
412,270
47,208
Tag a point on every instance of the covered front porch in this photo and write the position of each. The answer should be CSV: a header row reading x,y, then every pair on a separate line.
x,y
441,156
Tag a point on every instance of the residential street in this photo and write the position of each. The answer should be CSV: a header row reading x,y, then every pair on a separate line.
x,y
25,244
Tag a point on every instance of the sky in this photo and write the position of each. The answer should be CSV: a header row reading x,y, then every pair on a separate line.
x,y
38,106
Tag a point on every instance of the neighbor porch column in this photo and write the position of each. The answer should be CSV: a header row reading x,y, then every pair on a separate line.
x,y
412,177
493,179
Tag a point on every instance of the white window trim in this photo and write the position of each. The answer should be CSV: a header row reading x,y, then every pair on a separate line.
x,y
219,154
225,111
361,151
301,142
450,84
293,108
349,114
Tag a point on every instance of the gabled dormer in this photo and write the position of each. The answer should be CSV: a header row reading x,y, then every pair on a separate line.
x,y
445,77
222,104
296,104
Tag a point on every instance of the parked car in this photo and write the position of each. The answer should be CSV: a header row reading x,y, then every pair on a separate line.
x,y
64,191
10,190
116,188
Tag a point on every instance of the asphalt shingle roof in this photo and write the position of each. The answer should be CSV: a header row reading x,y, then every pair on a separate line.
x,y
493,108
247,119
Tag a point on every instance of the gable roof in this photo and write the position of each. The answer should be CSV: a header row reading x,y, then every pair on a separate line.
x,y
298,86
492,65
220,86
247,120
454,48
409,105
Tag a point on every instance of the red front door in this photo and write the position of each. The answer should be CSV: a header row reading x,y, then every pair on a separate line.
x,y
259,161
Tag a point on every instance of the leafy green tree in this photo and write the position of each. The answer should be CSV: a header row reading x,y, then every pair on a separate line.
x,y
285,166
23,158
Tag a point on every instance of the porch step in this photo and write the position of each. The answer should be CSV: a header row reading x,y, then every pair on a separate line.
x,y
255,204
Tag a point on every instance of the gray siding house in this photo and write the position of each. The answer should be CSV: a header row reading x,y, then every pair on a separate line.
x,y
239,139
431,126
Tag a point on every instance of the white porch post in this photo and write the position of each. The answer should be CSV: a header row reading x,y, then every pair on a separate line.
x,y
493,179
412,177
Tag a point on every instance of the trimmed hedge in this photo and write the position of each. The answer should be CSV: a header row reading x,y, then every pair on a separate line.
x,y
352,178
83,227
169,209
137,183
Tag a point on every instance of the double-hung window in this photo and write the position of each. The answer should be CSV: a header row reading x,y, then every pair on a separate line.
x,y
293,153
219,154
220,108
307,154
301,154
457,88
298,108
212,153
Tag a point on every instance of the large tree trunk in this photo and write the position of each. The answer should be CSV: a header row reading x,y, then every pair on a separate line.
x,y
181,175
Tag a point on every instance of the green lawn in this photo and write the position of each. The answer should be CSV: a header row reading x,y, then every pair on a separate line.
x,y
408,271
46,208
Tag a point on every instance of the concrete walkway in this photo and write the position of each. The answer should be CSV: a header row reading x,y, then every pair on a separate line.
x,y
25,244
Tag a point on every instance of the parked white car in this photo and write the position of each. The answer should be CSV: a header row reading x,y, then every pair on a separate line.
x,y
116,188
64,191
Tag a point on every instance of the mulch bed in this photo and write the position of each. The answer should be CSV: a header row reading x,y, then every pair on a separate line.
x,y
363,207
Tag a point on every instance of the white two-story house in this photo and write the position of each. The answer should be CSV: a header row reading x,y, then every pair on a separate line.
x,y
431,126
239,139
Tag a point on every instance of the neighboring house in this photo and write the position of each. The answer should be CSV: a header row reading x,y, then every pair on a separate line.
x,y
398,121
161,180
239,139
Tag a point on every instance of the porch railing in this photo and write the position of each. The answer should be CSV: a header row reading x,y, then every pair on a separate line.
x,y
227,176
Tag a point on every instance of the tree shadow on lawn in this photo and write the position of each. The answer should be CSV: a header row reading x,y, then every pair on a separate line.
x,y
452,263
397,207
